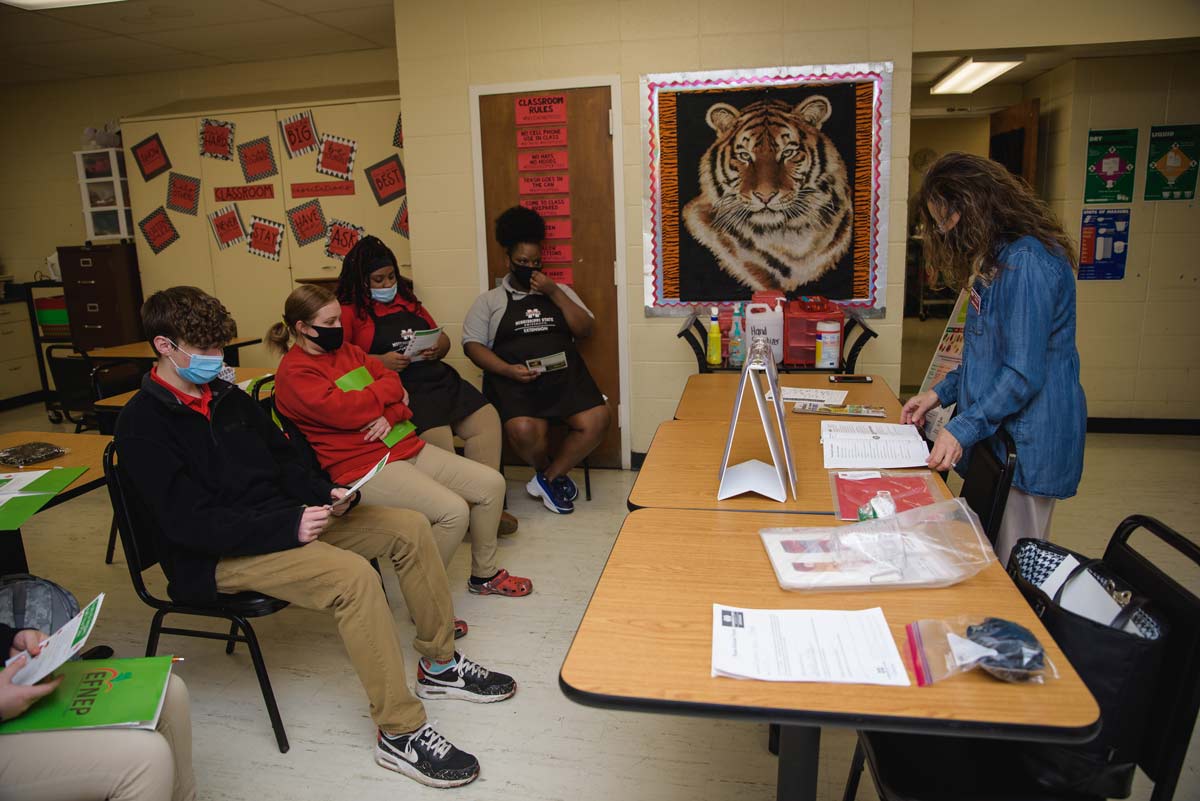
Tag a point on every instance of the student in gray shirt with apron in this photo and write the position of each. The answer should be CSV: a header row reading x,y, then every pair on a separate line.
x,y
380,314
522,335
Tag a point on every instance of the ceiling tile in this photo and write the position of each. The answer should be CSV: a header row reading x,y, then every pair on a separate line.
x,y
158,63
141,16
374,24
296,31
273,51
92,57
315,6
26,27
15,72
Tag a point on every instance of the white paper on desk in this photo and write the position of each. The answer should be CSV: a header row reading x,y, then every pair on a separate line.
x,y
374,471
856,446
59,646
421,341
828,397
844,647
1084,596
14,483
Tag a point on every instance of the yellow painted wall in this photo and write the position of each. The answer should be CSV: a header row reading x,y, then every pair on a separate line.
x,y
1138,338
944,135
446,47
962,25
39,198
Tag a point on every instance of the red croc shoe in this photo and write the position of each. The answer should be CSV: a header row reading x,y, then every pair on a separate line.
x,y
460,628
502,584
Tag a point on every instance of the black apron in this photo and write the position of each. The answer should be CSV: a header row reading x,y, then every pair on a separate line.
x,y
437,394
531,328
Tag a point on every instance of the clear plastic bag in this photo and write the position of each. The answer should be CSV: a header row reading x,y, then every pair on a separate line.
x,y
31,453
930,546
939,649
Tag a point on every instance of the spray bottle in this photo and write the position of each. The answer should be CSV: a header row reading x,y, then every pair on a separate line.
x,y
737,347
714,339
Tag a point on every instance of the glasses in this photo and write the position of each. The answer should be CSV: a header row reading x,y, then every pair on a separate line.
x,y
531,263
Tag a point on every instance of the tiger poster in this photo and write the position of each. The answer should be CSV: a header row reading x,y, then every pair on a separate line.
x,y
767,179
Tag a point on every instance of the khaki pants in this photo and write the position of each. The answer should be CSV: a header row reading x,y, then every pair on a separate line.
x,y
1024,516
480,433
453,493
104,764
333,573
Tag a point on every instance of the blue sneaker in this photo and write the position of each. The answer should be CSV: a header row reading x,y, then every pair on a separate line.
x,y
554,500
566,487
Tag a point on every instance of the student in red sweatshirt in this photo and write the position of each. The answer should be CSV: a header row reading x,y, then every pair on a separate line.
x,y
354,411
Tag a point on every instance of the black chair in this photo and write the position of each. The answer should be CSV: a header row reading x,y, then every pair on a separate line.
x,y
988,480
113,378
909,767
72,373
138,536
695,334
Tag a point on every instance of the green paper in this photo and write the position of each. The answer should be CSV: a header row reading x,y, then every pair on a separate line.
x,y
1171,165
99,693
1109,167
399,432
36,494
355,380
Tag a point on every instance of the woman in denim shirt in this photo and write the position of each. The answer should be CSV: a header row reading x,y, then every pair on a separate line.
x,y
985,230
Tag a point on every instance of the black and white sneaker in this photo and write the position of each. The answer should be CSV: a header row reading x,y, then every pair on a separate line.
x,y
467,681
427,757
566,487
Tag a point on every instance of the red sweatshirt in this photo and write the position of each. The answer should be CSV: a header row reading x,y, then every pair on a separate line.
x,y
330,418
360,328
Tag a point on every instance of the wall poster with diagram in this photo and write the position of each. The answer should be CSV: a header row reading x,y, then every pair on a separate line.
x,y
766,179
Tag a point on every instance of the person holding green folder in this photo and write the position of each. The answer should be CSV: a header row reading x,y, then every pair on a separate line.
x,y
353,411
112,764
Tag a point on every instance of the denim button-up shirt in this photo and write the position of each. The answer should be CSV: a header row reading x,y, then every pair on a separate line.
x,y
1020,369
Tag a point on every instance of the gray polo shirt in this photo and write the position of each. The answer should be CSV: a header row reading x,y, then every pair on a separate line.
x,y
483,318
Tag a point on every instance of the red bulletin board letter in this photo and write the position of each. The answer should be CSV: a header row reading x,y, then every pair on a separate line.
x,y
540,109
158,230
151,157
308,222
548,206
340,237
545,160
322,189
541,137
556,253
561,275
545,184
216,139
387,179
558,229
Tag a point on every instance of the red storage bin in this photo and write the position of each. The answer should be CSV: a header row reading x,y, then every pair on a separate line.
x,y
800,318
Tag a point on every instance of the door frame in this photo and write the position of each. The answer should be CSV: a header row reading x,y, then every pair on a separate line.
x,y
613,82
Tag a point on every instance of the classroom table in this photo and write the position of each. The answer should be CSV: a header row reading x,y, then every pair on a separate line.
x,y
117,402
682,468
645,644
137,351
83,450
710,396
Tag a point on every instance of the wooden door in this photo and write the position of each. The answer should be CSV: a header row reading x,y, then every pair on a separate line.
x,y
372,127
251,285
1013,139
582,239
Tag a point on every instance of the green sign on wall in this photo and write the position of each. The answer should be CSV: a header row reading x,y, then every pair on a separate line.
x,y
1111,156
1171,165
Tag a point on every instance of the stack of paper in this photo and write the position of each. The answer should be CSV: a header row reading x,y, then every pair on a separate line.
x,y
828,397
805,645
857,446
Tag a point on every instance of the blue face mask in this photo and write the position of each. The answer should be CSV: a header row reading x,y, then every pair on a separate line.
x,y
384,295
200,369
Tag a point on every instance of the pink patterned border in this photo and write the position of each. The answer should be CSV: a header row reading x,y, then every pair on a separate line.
x,y
876,167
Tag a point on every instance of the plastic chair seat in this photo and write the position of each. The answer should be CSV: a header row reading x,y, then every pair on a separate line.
x,y
246,604
908,767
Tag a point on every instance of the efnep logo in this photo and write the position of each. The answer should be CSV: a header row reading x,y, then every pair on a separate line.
x,y
531,313
93,684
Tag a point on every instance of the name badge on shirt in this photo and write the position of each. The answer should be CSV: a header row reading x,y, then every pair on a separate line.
x,y
976,300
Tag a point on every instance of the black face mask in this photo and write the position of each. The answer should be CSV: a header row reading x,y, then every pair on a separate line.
x,y
522,274
327,339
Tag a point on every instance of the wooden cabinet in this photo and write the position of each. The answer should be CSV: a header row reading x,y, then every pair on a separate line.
x,y
18,362
104,294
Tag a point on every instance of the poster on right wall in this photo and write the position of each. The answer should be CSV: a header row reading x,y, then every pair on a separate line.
x,y
1111,159
1171,164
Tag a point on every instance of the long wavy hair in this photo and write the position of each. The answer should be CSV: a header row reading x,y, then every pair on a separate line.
x,y
995,208
368,255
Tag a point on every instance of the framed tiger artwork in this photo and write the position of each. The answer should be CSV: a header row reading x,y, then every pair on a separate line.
x,y
766,179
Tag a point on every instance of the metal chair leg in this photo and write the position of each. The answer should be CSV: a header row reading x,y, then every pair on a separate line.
x,y
264,682
233,630
112,541
773,738
155,625
587,480
856,769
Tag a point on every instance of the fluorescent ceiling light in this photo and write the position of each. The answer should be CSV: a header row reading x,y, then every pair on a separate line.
x,y
972,73
43,5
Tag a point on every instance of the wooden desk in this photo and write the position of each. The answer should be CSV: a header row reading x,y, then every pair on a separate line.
x,y
682,468
117,402
645,643
709,396
142,350
84,450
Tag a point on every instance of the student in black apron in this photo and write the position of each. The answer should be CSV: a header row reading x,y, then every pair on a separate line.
x,y
522,335
381,314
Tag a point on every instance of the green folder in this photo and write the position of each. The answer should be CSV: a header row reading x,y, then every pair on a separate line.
x,y
359,379
18,508
100,693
